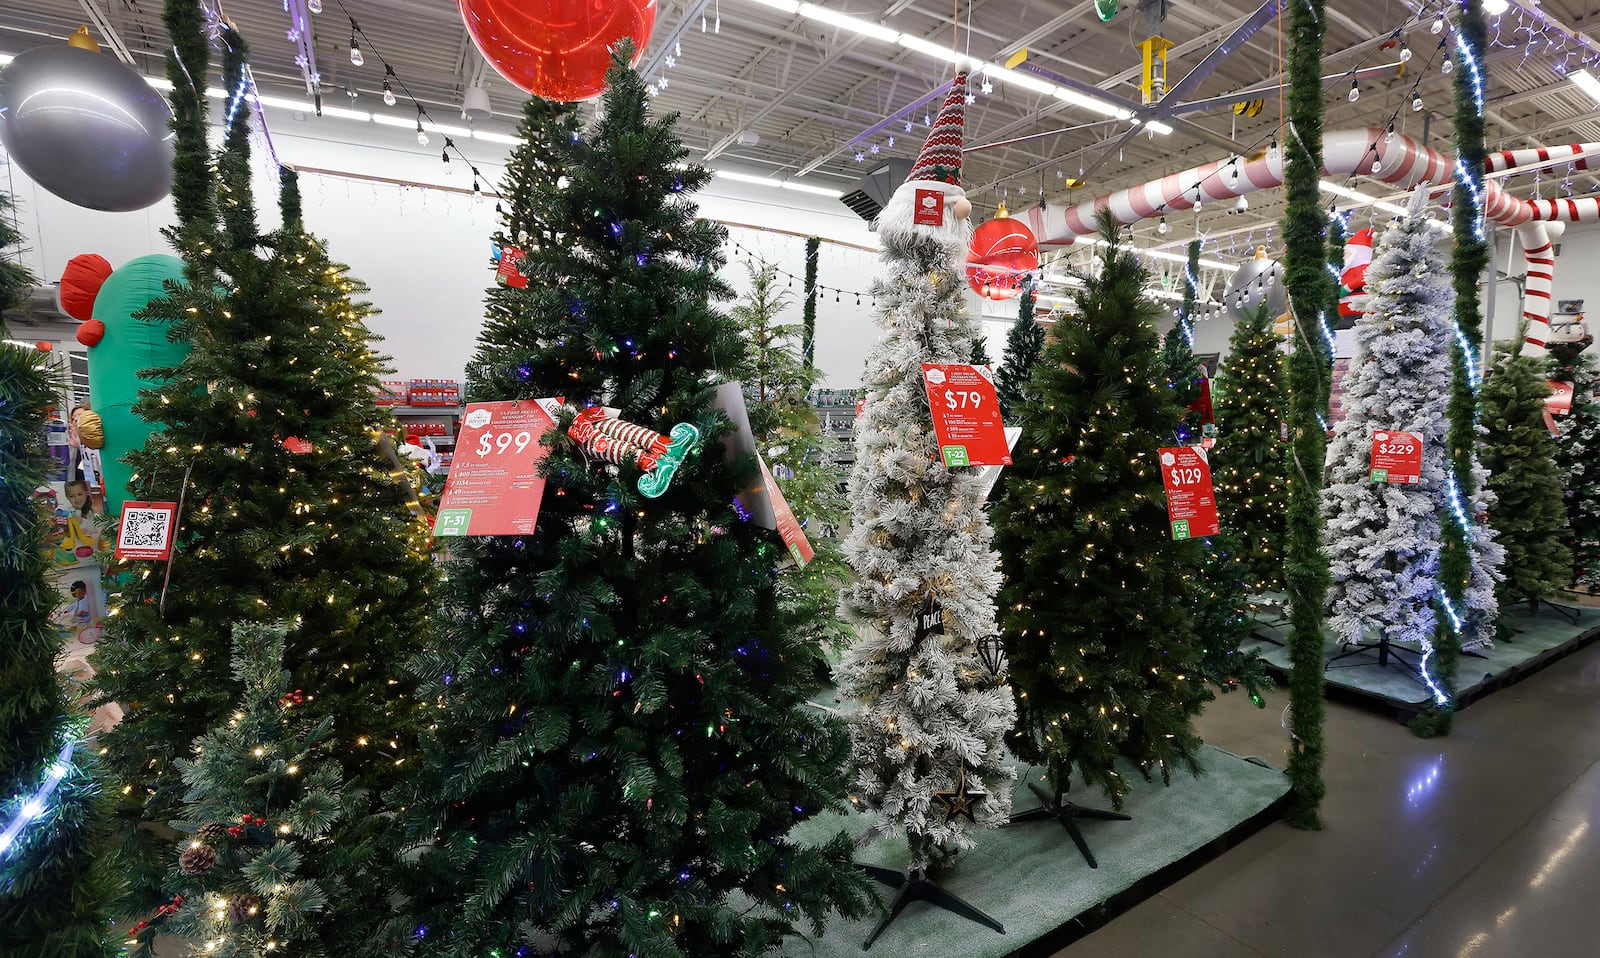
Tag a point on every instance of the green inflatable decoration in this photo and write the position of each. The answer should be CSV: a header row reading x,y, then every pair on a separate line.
x,y
129,346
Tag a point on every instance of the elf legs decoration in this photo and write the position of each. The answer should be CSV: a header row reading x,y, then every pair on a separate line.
x,y
615,441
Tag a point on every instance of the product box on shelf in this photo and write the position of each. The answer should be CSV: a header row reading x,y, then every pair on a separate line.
x,y
391,392
434,392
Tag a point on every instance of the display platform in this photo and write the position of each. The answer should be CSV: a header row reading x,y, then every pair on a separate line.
x,y
1537,639
1031,878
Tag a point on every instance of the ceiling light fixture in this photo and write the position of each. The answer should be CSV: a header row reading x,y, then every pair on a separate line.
x,y
1585,81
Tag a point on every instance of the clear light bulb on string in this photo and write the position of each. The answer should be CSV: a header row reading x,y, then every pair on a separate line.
x,y
1355,90
315,6
1438,24
356,59
1162,227
422,135
1388,135
1405,52
445,155
388,90
1416,102
1448,66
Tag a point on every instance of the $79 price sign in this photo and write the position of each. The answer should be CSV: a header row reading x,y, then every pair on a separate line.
x,y
962,399
966,415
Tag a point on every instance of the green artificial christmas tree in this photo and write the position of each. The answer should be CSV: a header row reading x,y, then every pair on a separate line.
x,y
269,439
1530,512
278,854
52,820
1578,459
1103,664
980,351
1247,465
1024,344
1183,374
623,742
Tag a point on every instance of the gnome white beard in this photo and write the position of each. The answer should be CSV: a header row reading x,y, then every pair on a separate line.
x,y
898,218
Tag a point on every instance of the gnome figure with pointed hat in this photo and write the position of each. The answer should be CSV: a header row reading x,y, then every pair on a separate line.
x,y
928,747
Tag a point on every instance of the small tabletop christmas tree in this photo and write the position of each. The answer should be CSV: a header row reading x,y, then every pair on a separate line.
x,y
622,741
928,749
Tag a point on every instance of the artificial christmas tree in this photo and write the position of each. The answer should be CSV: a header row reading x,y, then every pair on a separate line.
x,y
1578,456
928,734
1517,449
623,742
322,538
1024,343
1102,669
1247,465
1382,538
278,855
52,820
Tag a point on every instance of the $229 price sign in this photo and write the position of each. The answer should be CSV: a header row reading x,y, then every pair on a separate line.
x,y
1191,503
966,415
1396,457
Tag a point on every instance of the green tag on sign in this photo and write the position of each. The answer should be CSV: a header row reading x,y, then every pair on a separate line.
x,y
955,456
1180,529
452,522
1380,475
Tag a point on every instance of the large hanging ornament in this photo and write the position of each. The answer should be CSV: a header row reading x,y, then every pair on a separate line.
x,y
86,128
557,49
1259,282
1002,251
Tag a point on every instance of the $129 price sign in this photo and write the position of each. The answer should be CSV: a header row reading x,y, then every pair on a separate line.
x,y
1191,503
1396,457
966,415
494,487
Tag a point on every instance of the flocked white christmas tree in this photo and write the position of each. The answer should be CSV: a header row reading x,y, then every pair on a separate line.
x,y
931,717
1383,539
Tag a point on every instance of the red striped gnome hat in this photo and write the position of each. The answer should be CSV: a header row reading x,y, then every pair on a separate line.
x,y
940,159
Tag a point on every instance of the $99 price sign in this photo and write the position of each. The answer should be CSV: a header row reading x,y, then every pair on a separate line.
x,y
494,487
1191,504
1396,457
966,415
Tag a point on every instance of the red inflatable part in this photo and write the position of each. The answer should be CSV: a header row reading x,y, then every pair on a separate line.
x,y
1001,252
556,49
91,332
80,284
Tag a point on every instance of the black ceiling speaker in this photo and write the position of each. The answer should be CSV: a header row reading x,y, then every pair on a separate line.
x,y
871,193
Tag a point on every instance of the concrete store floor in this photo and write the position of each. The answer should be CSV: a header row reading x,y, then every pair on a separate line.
x,y
1484,844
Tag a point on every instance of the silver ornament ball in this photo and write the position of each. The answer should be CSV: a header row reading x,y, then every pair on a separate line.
x,y
1257,282
86,128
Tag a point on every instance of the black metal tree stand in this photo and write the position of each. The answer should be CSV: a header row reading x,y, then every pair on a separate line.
x,y
1067,813
912,885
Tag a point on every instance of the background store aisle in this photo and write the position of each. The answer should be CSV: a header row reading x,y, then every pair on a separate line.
x,y
1483,844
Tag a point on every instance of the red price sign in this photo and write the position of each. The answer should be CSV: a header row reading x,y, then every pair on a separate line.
x,y
1397,457
929,210
788,526
1559,402
494,487
966,415
1191,503
510,273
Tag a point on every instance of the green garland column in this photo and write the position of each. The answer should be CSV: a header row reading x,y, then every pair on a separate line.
x,y
1305,566
808,337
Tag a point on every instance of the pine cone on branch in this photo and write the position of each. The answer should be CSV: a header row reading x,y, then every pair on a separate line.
x,y
197,859
212,833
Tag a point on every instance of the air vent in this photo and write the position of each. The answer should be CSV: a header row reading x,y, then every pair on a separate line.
x,y
871,193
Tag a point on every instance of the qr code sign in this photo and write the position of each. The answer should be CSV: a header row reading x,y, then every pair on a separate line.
x,y
146,531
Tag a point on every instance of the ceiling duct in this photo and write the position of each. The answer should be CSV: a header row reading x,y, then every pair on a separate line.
x,y
871,193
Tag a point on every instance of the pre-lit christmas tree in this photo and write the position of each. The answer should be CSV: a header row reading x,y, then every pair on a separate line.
x,y
1024,343
1183,374
928,746
269,440
1382,538
1578,456
1247,465
623,742
278,855
52,821
1104,664
1518,451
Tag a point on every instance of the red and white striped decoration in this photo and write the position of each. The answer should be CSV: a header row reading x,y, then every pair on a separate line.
x,y
943,148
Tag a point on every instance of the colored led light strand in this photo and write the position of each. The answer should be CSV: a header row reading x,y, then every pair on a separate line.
x,y
34,806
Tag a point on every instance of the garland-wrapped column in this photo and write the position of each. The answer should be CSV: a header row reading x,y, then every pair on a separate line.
x,y
808,336
1467,262
1305,566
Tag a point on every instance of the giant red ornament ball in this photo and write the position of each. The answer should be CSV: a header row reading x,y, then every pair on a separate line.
x,y
557,49
1002,250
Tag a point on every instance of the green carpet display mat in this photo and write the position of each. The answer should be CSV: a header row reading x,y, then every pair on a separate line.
x,y
1537,638
1031,878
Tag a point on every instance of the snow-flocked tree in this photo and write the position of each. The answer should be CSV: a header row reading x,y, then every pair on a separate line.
x,y
1382,538
931,716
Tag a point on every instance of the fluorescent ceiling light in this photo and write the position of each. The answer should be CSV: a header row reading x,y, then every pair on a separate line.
x,y
866,28
501,138
160,83
340,113
403,122
462,131
1025,80
1496,7
787,6
776,184
813,190
1343,191
1586,82
1156,126
939,51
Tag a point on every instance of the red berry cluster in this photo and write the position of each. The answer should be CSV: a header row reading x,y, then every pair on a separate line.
x,y
170,908
296,697
245,819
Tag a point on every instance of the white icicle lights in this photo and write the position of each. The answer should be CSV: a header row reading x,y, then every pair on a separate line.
x,y
1383,539
928,708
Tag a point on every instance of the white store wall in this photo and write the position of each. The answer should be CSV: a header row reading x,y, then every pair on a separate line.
x,y
425,252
